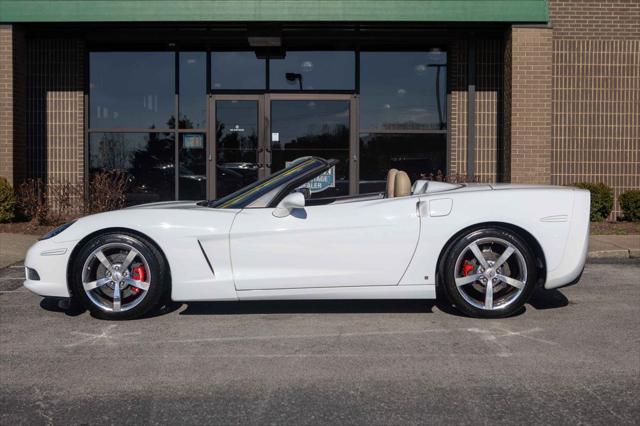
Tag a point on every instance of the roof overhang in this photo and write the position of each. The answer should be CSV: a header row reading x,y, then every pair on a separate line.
x,y
517,11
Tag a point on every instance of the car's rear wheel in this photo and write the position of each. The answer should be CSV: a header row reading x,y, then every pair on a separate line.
x,y
119,276
489,273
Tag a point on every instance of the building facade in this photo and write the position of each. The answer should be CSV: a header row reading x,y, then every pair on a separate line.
x,y
196,99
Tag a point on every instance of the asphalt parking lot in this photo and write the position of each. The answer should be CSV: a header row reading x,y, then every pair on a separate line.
x,y
572,357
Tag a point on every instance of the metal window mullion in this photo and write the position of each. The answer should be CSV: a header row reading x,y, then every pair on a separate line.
x,y
208,133
176,125
354,147
471,108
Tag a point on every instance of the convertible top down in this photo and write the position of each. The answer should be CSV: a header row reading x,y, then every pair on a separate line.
x,y
486,246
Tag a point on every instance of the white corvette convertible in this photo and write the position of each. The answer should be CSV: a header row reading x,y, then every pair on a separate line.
x,y
487,247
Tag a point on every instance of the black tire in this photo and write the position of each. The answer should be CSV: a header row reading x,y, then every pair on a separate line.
x,y
521,263
158,283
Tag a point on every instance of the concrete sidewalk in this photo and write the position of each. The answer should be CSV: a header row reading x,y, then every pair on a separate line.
x,y
614,246
14,246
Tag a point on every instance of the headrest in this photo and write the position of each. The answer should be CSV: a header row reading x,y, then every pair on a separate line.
x,y
391,179
402,186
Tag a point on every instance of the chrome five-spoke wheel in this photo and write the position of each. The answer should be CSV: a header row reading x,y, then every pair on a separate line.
x,y
120,275
490,272
116,277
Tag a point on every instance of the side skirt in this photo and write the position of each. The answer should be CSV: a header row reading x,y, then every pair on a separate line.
x,y
373,292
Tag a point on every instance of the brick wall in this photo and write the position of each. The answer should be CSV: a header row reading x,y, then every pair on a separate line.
x,y
12,104
596,93
595,19
529,83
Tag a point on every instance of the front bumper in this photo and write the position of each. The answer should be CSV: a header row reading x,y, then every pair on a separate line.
x,y
49,259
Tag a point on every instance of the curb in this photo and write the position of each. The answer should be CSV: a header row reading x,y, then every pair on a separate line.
x,y
614,254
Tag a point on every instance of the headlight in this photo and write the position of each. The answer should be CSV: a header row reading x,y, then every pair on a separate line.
x,y
56,231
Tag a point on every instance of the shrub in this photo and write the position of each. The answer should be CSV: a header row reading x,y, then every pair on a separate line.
x,y
107,191
601,200
64,201
630,204
7,201
32,202
50,204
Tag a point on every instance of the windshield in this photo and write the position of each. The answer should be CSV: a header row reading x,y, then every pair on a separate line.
x,y
298,169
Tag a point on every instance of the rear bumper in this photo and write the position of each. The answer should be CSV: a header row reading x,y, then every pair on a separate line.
x,y
574,258
49,259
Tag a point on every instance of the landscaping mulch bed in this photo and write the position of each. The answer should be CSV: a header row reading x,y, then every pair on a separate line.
x,y
29,228
615,228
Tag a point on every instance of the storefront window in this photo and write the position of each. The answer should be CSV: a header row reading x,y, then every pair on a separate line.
x,y
237,71
403,122
421,155
147,158
132,90
193,90
403,91
309,71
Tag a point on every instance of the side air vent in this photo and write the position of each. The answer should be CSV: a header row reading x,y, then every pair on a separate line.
x,y
206,258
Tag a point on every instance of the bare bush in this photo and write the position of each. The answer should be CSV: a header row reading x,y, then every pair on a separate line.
x,y
107,191
441,177
32,202
55,203
65,202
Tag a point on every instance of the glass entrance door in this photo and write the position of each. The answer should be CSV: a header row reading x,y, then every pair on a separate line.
x,y
256,135
238,142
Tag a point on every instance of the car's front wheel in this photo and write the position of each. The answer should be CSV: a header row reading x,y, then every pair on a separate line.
x,y
119,276
489,273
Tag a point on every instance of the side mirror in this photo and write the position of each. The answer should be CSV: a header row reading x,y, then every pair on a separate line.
x,y
305,191
295,200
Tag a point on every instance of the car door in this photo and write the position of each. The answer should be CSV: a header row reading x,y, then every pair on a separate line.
x,y
359,243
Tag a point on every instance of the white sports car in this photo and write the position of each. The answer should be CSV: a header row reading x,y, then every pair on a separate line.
x,y
487,247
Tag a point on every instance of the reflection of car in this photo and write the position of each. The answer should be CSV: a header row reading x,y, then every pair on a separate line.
x,y
486,246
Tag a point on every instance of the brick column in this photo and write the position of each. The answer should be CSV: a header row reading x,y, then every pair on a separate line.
x,y
12,104
528,104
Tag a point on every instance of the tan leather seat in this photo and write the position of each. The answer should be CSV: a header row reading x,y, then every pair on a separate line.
x,y
402,185
391,182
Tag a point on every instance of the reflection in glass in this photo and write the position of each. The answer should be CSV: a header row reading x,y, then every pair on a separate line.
x,y
332,70
403,90
420,155
147,158
312,128
192,167
237,71
131,90
237,145
193,90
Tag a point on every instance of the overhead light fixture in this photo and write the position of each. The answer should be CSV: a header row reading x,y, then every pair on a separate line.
x,y
264,41
264,35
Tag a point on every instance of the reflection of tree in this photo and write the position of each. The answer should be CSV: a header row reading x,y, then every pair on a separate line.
x,y
329,137
183,123
112,152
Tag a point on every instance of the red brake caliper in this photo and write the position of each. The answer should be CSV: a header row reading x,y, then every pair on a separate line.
x,y
467,268
138,274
